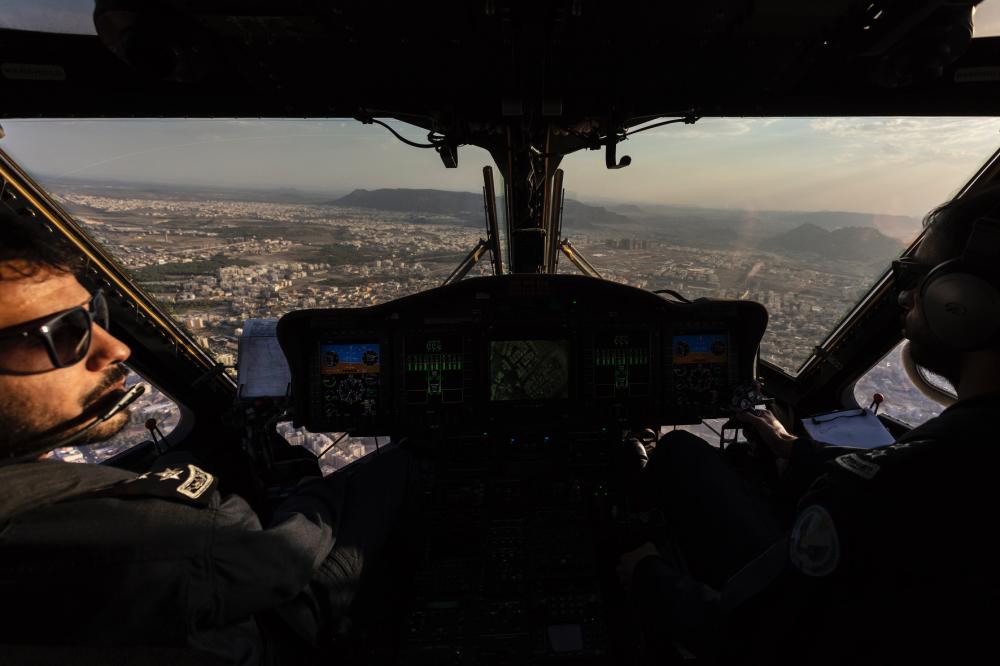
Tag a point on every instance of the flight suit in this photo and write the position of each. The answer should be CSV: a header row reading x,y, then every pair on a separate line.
x,y
93,555
891,558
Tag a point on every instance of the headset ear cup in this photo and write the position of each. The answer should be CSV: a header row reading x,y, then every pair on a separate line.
x,y
962,310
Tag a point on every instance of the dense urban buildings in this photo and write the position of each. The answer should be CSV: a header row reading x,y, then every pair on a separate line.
x,y
215,261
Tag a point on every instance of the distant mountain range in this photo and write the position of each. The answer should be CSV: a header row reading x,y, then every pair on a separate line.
x,y
467,207
851,243
439,202
750,223
831,234
835,234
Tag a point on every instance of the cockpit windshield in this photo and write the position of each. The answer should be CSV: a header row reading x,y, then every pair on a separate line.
x,y
225,220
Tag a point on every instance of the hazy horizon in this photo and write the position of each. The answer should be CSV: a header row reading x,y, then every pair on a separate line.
x,y
48,180
885,166
889,166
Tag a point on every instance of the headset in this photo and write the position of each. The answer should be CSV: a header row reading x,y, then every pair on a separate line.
x,y
960,297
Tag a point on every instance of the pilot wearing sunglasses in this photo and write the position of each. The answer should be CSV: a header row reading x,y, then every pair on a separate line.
x,y
96,557
888,554
59,365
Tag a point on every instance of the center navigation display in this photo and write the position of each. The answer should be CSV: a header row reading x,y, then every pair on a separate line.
x,y
349,376
529,370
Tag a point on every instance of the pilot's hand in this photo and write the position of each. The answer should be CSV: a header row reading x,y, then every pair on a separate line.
x,y
628,562
770,431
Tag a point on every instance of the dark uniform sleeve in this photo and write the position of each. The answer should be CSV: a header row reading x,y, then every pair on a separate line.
x,y
855,540
806,464
856,513
674,607
794,580
257,569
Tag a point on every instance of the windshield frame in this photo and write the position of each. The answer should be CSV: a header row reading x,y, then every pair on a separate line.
x,y
883,287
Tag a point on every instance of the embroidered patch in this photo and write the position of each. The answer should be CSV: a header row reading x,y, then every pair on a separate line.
x,y
854,463
814,548
197,483
180,481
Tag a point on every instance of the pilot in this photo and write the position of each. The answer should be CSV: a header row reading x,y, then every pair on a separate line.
x,y
889,555
100,557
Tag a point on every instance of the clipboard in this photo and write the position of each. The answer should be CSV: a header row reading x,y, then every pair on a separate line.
x,y
859,428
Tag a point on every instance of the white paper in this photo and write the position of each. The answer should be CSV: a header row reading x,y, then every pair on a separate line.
x,y
859,428
261,367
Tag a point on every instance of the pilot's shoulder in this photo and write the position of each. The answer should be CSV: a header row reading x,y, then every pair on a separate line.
x,y
885,462
178,481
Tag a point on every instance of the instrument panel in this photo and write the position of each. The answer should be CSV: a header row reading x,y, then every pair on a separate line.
x,y
519,353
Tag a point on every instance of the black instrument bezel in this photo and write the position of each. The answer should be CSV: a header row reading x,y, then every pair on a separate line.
x,y
556,307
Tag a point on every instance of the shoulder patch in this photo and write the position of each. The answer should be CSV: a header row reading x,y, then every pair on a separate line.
x,y
198,481
857,464
868,463
814,547
183,482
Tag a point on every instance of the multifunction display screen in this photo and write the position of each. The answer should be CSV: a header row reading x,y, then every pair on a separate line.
x,y
435,366
700,368
349,378
713,348
529,369
621,364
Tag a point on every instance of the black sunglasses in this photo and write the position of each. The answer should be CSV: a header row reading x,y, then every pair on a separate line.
x,y
54,341
908,273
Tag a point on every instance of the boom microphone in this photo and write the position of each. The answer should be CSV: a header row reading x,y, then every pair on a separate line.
x,y
49,443
130,396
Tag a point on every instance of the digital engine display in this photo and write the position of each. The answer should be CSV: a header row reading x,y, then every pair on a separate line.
x,y
621,364
435,365
529,370
349,377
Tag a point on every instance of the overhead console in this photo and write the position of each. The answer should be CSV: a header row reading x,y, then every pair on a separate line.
x,y
520,353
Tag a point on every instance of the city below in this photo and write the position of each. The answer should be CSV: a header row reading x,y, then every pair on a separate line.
x,y
214,260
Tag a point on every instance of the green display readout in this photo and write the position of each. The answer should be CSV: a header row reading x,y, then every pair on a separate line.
x,y
622,363
435,370
431,362
618,357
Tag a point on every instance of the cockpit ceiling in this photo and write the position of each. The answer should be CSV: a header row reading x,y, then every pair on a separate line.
x,y
481,63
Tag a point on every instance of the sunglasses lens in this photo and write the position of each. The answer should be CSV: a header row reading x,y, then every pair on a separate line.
x,y
70,336
907,274
27,354
100,311
63,340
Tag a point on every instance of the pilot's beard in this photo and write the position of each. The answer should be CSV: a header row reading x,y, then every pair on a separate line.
x,y
106,430
936,359
24,432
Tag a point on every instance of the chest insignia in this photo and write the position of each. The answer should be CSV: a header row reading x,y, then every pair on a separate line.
x,y
814,548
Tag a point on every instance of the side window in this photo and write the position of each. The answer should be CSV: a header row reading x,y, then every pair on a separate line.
x,y
334,449
903,401
152,404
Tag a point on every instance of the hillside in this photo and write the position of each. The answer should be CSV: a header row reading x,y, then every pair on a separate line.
x,y
439,202
850,243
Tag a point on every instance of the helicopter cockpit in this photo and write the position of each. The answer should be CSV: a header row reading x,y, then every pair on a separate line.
x,y
518,389
514,366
